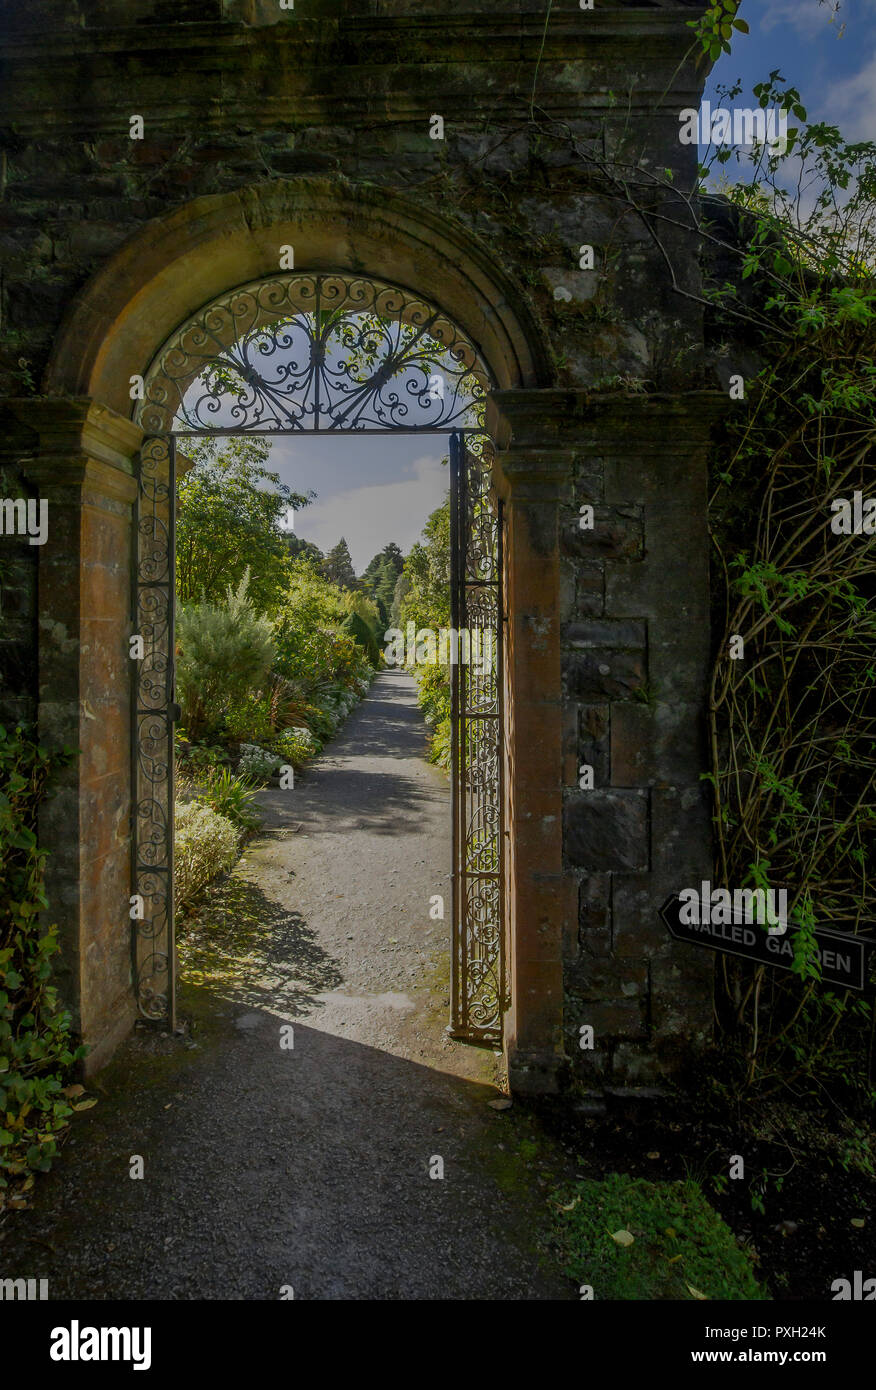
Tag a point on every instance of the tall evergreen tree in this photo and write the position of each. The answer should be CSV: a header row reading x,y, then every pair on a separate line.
x,y
337,566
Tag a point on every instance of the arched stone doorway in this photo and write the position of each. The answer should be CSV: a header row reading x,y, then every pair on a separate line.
x,y
299,354
117,326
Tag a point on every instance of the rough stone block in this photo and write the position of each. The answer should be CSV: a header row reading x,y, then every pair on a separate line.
x,y
605,830
614,633
589,591
594,914
603,675
618,533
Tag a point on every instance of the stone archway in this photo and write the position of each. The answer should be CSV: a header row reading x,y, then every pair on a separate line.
x,y
86,465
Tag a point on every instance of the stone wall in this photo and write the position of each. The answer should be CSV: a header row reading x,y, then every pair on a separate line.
x,y
236,93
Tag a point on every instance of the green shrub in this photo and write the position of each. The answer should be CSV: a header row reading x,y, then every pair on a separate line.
x,y
248,716
205,845
356,627
36,1048
224,652
433,697
257,763
198,757
296,746
680,1248
231,797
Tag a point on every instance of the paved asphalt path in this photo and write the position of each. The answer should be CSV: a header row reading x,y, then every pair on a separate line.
x,y
269,1165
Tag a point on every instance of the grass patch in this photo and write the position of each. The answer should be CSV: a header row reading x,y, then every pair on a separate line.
x,y
680,1248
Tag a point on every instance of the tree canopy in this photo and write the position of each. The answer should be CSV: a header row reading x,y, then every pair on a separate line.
x,y
230,512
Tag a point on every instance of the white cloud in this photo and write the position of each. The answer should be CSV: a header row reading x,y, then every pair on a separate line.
x,y
808,17
370,517
853,106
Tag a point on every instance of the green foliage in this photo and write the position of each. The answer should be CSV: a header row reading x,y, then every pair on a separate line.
x,y
311,648
423,592
380,579
337,567
714,29
248,717
363,635
681,1249
205,845
296,746
36,1047
223,652
296,547
230,513
257,764
793,724
433,697
230,797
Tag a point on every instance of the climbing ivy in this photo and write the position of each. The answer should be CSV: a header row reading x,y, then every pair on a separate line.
x,y
36,1047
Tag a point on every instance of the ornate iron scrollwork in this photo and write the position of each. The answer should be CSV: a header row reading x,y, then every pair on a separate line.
x,y
315,352
478,970
153,769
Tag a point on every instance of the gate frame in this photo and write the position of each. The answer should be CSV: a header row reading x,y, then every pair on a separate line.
x,y
119,321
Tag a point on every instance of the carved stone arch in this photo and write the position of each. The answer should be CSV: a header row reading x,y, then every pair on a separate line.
x,y
177,264
91,433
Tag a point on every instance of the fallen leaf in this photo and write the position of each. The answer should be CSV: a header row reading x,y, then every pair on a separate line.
x,y
859,1222
571,1206
71,1092
674,1258
503,1103
86,1104
695,1293
622,1237
655,1153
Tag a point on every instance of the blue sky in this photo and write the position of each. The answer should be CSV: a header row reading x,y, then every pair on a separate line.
x,y
827,51
380,488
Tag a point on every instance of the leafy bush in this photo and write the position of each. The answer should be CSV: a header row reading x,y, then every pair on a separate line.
x,y
433,697
198,757
205,845
295,746
257,763
36,1049
320,722
248,716
632,1239
231,797
224,652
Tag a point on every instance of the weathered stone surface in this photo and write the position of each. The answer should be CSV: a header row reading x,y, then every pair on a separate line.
x,y
603,675
594,742
618,533
311,126
595,914
607,830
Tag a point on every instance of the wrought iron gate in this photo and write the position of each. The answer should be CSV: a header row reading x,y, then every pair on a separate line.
x,y
325,352
477,954
152,944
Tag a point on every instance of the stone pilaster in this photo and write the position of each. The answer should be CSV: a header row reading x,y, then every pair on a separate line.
x,y
83,464
533,477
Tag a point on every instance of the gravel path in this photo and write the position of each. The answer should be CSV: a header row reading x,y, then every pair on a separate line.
x,y
268,1166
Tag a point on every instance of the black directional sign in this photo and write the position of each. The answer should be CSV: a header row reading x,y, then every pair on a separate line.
x,y
843,957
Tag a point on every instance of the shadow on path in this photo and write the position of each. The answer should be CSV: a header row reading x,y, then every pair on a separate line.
x,y
267,1165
